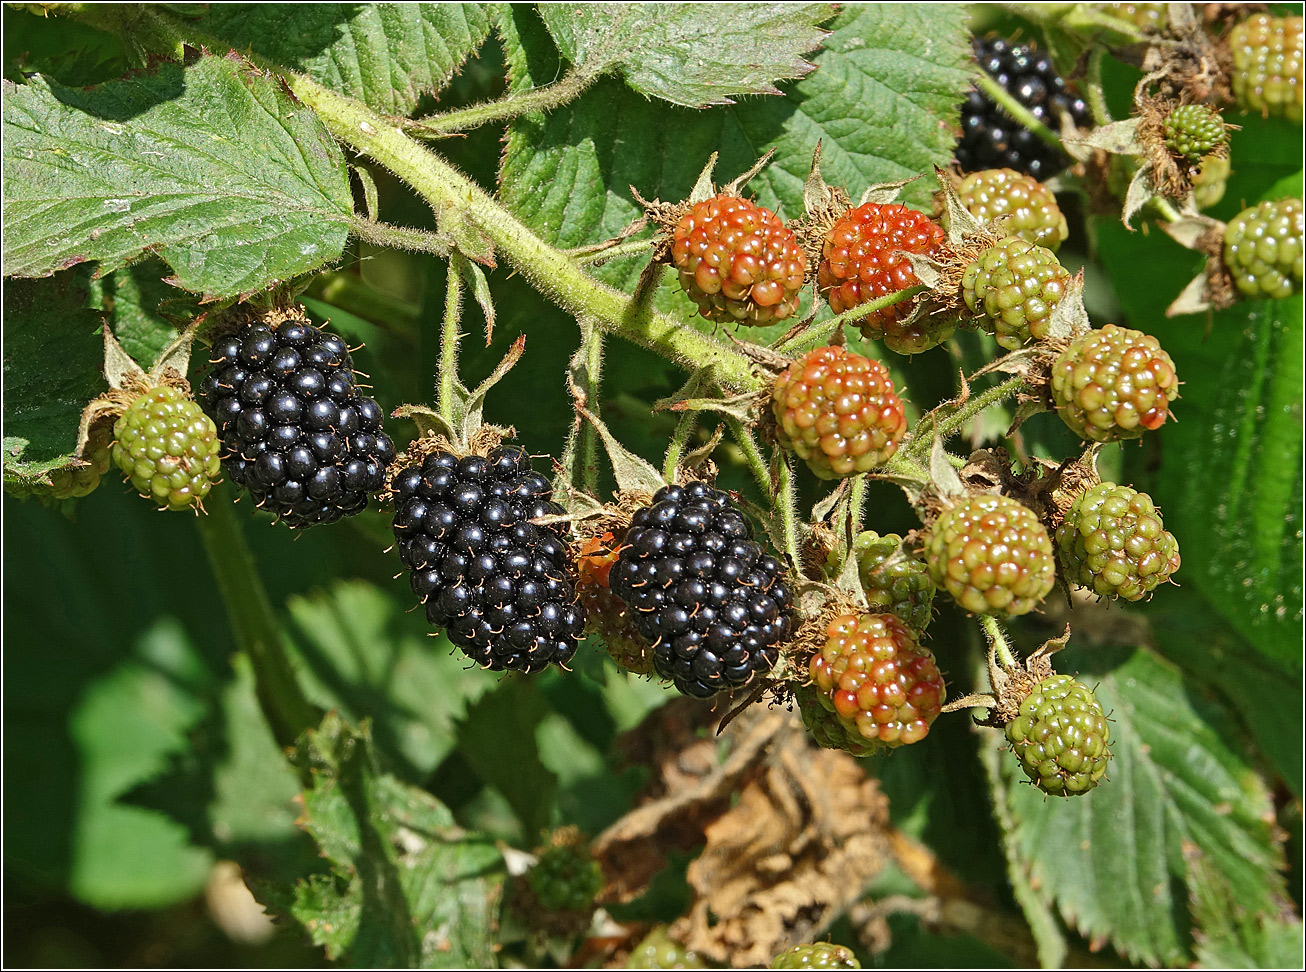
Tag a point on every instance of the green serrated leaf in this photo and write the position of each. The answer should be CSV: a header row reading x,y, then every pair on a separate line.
x,y
53,362
1112,861
213,166
1231,937
360,655
388,55
409,889
690,54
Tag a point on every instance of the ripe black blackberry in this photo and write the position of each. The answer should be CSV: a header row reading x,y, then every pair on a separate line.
x,y
502,587
710,601
990,138
296,432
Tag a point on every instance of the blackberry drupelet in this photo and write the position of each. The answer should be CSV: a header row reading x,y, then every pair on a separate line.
x,y
990,138
712,604
502,587
295,430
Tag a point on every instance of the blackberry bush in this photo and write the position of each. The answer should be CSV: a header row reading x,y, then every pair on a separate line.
x,y
712,604
990,138
502,588
295,430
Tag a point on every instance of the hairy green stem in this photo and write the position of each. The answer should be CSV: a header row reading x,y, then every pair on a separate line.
x,y
590,256
946,420
286,708
398,237
447,379
856,500
998,640
819,333
786,504
456,198
1167,211
1093,84
587,448
504,109
752,454
1019,112
684,429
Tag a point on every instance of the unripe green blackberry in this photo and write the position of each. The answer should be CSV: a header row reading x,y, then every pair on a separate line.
x,y
1263,251
738,262
659,950
817,955
1030,207
1210,180
168,448
1148,17
1267,65
1114,383
825,726
894,580
838,411
1061,737
76,482
992,554
1112,542
1192,131
878,679
566,878
1015,286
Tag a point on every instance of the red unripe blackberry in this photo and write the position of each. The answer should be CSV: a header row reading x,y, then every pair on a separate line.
x,y
1267,65
606,615
502,587
1030,208
878,679
712,604
1112,542
1061,737
817,955
1114,383
1015,286
861,259
824,725
992,554
738,262
1263,249
296,432
838,411
168,448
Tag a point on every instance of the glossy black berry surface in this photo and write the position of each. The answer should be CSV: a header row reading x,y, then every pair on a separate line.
x,y
502,588
295,430
710,601
990,138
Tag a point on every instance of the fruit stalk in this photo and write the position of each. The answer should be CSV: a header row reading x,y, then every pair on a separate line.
x,y
998,641
286,708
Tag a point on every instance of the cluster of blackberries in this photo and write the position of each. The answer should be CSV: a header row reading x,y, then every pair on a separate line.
x,y
502,587
295,430
711,603
990,138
